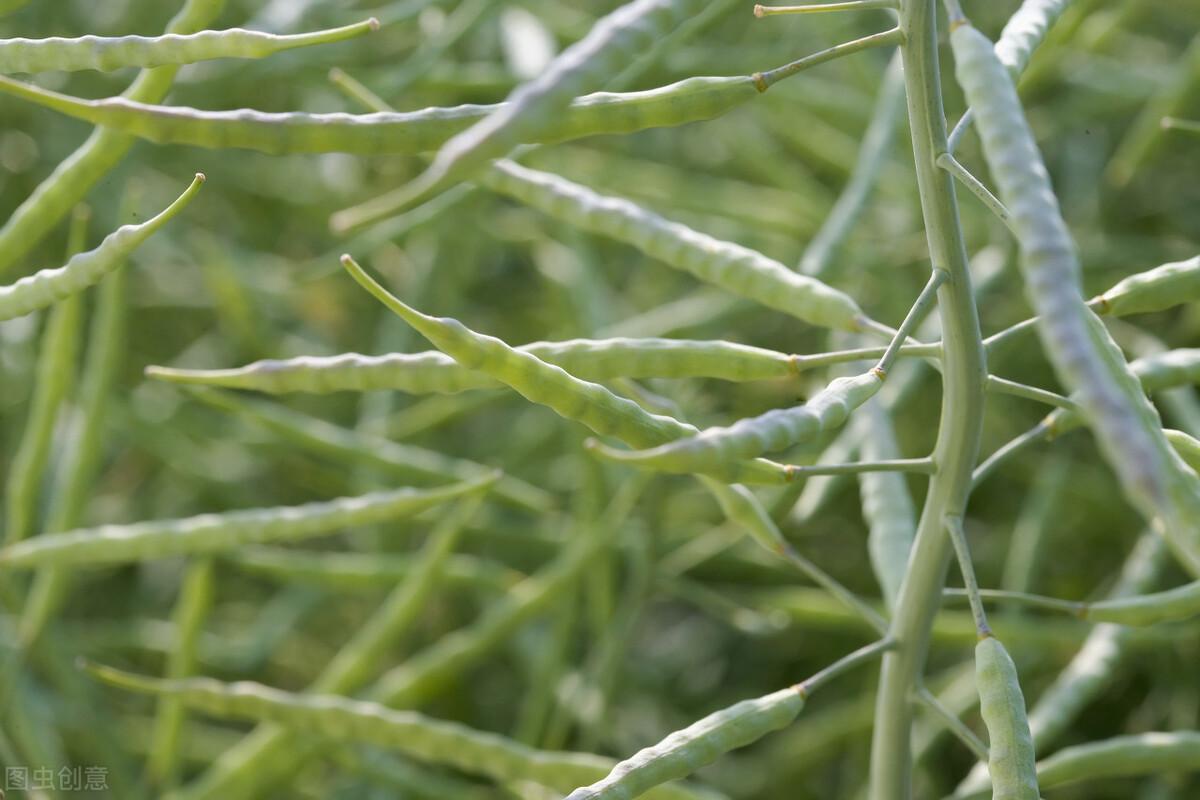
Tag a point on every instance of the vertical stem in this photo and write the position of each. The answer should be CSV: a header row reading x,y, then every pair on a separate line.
x,y
957,446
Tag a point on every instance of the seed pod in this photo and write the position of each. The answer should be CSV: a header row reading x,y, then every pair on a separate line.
x,y
545,384
415,735
1186,446
1122,757
1011,759
108,53
49,285
210,533
1025,30
75,176
713,449
1147,609
732,267
691,100
887,505
1080,352
1154,290
435,372
532,107
696,746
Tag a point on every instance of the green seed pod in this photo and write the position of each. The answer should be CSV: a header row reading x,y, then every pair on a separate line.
x,y
1011,759
732,267
408,732
106,53
691,100
1186,446
43,288
1147,609
714,448
435,372
886,504
1154,290
75,176
210,533
612,42
1025,30
1122,757
1082,354
545,384
696,746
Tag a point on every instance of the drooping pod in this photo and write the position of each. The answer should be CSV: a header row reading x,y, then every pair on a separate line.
x,y
1011,759
406,132
49,285
210,533
415,735
732,267
1157,289
612,42
109,53
545,384
1080,353
74,176
435,372
713,448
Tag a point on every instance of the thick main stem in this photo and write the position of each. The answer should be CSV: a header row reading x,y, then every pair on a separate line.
x,y
964,372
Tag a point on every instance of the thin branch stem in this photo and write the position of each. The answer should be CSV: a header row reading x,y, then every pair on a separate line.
x,y
958,538
925,301
847,663
1007,451
765,80
1000,385
964,176
1071,607
835,588
920,350
953,723
919,465
819,8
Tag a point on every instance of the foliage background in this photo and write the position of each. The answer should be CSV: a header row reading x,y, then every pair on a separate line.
x,y
250,271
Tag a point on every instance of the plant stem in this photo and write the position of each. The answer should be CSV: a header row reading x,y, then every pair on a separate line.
x,y
964,371
919,465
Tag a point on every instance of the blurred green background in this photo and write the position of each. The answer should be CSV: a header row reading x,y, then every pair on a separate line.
x,y
662,633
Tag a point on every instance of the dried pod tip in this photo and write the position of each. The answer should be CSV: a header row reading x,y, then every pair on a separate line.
x,y
373,23
200,177
759,11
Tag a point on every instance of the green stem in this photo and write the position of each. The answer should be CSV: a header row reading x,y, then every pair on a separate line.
x,y
919,465
964,370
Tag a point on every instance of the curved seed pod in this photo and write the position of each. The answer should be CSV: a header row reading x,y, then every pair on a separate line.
x,y
732,267
209,533
363,571
699,744
1024,32
74,177
714,448
435,372
1154,290
612,43
887,505
545,384
106,53
43,288
1081,354
1011,759
1147,609
691,100
408,732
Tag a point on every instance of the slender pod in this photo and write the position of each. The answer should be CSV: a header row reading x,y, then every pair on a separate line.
x,y
1186,445
109,53
1157,289
1123,756
209,533
408,132
714,448
1011,760
703,742
1082,354
81,271
886,504
735,268
1022,34
437,373
545,384
415,735
613,42
74,176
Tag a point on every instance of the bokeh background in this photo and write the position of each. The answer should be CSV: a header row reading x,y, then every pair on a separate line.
x,y
679,618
